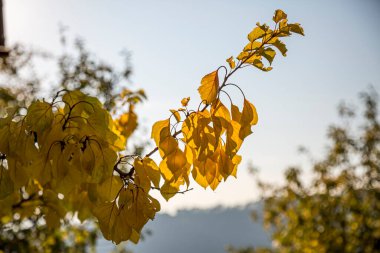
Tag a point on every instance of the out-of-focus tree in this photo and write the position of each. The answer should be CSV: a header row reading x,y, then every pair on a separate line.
x,y
338,210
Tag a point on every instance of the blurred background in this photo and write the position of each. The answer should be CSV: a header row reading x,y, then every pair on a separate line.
x,y
165,47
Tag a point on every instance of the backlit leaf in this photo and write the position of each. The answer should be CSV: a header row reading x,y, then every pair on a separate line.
x,y
40,116
185,101
269,54
231,62
279,15
6,183
152,171
296,28
176,115
280,46
157,128
208,89
256,33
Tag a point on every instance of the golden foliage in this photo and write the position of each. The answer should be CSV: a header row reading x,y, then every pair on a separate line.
x,y
68,155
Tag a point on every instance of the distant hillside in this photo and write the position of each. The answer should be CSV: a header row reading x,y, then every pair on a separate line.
x,y
193,231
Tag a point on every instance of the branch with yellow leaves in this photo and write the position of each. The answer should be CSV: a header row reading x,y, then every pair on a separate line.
x,y
234,124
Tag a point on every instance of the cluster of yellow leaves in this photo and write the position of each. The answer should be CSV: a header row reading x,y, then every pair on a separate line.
x,y
123,219
262,40
126,122
64,156
205,143
65,148
209,142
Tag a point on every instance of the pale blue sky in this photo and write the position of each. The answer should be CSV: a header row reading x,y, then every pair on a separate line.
x,y
175,43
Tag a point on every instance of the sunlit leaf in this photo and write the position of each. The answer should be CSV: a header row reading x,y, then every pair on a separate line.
x,y
269,54
185,101
208,89
231,62
256,33
176,115
280,46
279,15
296,28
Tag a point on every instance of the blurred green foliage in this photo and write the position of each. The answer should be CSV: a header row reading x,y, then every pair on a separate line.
x,y
338,210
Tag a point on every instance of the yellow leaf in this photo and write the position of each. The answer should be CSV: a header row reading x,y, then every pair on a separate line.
x,y
208,89
279,15
176,115
152,170
53,209
212,173
124,221
185,101
188,130
249,57
120,231
249,114
220,110
104,160
126,197
190,154
235,113
283,27
170,188
88,159
259,64
176,161
160,128
81,102
126,124
40,116
17,172
101,125
135,237
165,171
7,204
207,146
225,164
79,201
66,171
141,178
106,214
264,27
194,129
280,46
4,136
53,220
256,33
235,161
269,54
107,190
231,62
218,128
33,187
248,118
199,173
167,145
214,184
161,135
6,183
201,128
296,28
138,207
233,141
250,47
